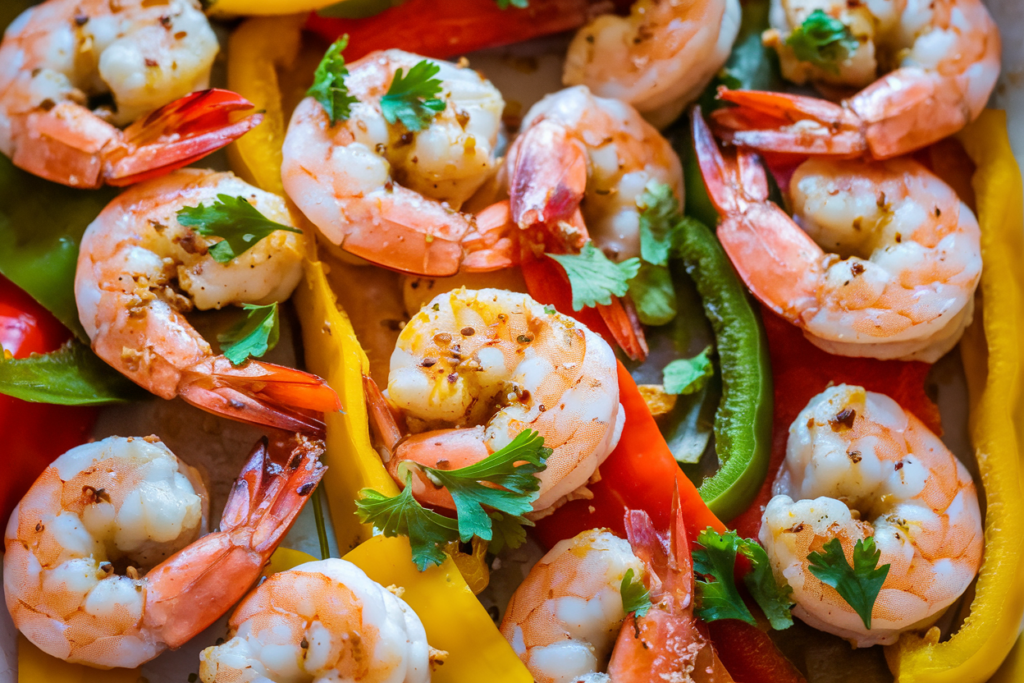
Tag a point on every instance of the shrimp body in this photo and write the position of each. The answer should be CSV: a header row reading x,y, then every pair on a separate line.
x,y
658,58
320,621
144,55
857,465
140,270
882,261
926,69
580,152
103,566
473,369
382,192
564,618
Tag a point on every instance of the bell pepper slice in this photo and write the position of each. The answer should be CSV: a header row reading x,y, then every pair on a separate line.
x,y
35,666
993,356
265,7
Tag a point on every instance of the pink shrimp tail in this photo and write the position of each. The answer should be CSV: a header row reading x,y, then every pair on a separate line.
x,y
777,260
194,587
260,393
493,243
549,178
668,643
177,134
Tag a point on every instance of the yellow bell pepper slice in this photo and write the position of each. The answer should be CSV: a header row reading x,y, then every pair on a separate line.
x,y
35,666
265,7
993,353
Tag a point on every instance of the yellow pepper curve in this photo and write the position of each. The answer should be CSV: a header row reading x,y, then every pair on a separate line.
x,y
992,351
452,616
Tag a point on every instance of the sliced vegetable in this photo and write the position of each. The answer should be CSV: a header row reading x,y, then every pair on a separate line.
x,y
329,87
751,656
858,584
636,598
70,376
689,375
822,40
411,98
743,421
595,278
237,222
253,335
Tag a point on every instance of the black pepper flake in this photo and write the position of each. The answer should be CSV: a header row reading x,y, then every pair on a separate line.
x,y
452,378
468,331
306,489
855,456
428,362
857,268
843,419
899,466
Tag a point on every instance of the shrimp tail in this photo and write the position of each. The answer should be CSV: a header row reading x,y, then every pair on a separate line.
x,y
260,393
549,178
492,244
624,325
777,260
177,134
194,587
796,124
382,417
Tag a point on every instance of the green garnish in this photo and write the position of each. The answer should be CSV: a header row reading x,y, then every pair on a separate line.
x,y
635,597
329,87
505,4
823,41
659,222
72,376
234,220
857,585
595,278
428,531
411,97
688,375
252,336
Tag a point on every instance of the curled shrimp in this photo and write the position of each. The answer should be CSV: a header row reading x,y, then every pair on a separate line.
x,y
658,58
473,369
103,566
148,57
899,256
857,466
139,271
321,621
385,193
936,63
566,620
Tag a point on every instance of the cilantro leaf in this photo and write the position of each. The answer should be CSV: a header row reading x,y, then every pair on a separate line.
x,y
720,598
659,222
505,4
635,598
508,531
72,376
411,97
688,375
329,87
772,598
252,336
235,220
653,294
519,486
823,41
402,515
594,278
716,558
857,585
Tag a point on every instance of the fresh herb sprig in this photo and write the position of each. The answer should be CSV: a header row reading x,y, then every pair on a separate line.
x,y
635,597
858,585
412,97
237,222
823,41
329,88
254,335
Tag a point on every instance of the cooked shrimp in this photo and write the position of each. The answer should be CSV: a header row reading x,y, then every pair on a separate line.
x,y
658,58
382,192
566,619
473,369
935,61
857,465
140,270
321,621
147,56
102,565
899,256
592,154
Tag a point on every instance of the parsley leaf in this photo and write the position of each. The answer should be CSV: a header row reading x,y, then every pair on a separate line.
x,y
508,531
653,294
505,4
252,336
329,87
411,97
659,222
720,598
857,585
635,598
688,375
823,41
402,515
716,558
594,278
235,220
519,486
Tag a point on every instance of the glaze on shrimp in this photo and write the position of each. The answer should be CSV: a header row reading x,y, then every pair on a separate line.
x,y
104,565
857,465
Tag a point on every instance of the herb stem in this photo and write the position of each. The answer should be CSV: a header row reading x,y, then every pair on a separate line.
x,y
321,526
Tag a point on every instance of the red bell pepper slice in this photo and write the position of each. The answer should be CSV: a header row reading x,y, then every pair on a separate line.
x,y
750,655
34,434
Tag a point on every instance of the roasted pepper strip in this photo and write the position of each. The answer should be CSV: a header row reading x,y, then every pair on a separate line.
x,y
993,354
743,421
264,7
